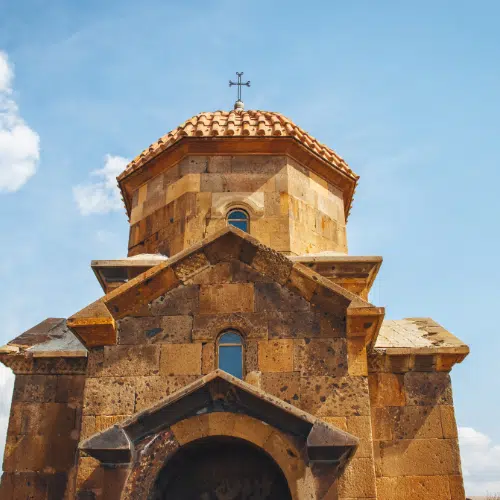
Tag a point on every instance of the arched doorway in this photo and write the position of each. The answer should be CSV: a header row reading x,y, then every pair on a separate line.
x,y
221,468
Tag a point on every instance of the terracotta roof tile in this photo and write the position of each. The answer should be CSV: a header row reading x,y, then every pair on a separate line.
x,y
230,123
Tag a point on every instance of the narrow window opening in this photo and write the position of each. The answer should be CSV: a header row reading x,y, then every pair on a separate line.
x,y
231,354
239,218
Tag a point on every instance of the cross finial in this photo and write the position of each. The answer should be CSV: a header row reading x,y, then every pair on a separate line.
x,y
238,105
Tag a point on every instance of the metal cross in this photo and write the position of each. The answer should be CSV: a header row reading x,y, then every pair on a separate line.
x,y
239,83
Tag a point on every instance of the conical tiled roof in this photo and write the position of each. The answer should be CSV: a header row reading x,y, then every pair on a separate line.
x,y
238,124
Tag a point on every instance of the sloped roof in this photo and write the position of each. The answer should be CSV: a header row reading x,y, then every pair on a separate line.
x,y
238,124
417,335
50,338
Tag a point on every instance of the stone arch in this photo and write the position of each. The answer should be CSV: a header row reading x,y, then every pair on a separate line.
x,y
221,467
310,453
252,203
152,455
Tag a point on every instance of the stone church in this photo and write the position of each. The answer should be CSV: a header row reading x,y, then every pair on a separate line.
x,y
234,354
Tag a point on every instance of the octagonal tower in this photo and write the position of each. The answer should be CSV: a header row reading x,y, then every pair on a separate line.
x,y
295,191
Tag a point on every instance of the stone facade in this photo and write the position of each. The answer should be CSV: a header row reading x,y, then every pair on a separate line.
x,y
345,405
291,209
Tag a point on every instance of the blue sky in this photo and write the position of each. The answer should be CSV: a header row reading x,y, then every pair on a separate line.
x,y
406,92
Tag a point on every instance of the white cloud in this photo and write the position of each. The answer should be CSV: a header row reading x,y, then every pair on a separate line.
x,y
6,387
19,144
480,462
102,196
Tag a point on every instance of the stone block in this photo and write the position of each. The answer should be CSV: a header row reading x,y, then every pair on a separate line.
x,y
207,357
339,422
243,273
457,487
190,429
448,422
386,389
274,297
24,453
276,355
272,205
126,360
424,363
90,474
222,272
44,419
257,163
361,428
358,480
193,165
88,427
221,423
179,301
219,164
70,389
208,327
418,457
357,358
7,486
302,281
114,479
293,325
190,266
382,426
428,389
283,385
180,359
151,390
35,388
37,453
95,361
416,422
109,396
142,330
130,298
335,397
190,183
253,378
60,453
413,488
399,364
103,422
227,298
272,264
251,356
321,357
286,455
33,486
175,330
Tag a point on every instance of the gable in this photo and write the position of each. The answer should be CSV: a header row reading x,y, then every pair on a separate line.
x,y
220,392
232,273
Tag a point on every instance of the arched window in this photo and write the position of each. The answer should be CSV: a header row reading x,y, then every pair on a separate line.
x,y
230,353
239,218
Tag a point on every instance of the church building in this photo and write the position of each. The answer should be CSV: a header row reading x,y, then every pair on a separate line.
x,y
234,353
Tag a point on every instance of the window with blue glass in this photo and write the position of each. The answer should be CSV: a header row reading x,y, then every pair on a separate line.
x,y
239,218
230,353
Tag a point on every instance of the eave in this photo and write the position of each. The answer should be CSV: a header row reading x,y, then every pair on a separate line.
x,y
227,145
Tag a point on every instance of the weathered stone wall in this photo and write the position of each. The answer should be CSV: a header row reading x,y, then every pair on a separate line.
x,y
415,433
292,350
43,435
291,209
316,212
